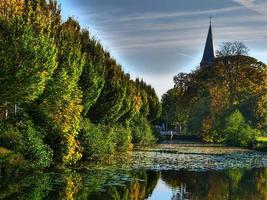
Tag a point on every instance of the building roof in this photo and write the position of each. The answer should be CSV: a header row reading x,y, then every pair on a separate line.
x,y
208,55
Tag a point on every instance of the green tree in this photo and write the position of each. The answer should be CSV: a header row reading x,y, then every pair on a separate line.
x,y
108,106
92,79
28,60
238,132
61,103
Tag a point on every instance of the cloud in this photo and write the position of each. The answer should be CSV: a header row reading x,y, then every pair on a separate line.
x,y
164,15
156,43
259,6
187,39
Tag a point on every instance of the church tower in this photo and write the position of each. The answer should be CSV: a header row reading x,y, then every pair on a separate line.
x,y
208,56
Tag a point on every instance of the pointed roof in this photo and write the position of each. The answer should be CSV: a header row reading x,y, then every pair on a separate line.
x,y
208,56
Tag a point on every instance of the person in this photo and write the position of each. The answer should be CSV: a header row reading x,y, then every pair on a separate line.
x,y
171,136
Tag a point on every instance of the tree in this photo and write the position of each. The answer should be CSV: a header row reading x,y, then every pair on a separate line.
x,y
237,132
61,76
132,102
11,9
108,105
174,113
151,107
92,80
232,49
28,60
155,108
61,103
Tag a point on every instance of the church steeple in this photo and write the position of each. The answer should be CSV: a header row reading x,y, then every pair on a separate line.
x,y
208,56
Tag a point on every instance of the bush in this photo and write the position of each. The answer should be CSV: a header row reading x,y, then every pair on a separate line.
x,y
20,136
100,140
96,140
141,131
123,138
238,132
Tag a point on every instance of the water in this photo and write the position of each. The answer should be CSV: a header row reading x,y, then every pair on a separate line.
x,y
157,173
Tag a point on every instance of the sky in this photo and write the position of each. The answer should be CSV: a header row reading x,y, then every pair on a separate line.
x,y
157,39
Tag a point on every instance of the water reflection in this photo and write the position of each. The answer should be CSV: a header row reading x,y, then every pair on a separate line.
x,y
245,184
220,185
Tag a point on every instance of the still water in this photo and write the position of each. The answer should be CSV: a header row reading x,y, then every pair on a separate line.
x,y
157,175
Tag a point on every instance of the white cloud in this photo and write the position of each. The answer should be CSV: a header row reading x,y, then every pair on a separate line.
x,y
259,6
163,15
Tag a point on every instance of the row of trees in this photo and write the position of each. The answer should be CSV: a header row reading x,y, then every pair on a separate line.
x,y
63,79
223,102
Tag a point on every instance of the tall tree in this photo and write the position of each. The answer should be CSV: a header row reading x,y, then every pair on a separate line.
x,y
92,79
108,106
61,102
27,56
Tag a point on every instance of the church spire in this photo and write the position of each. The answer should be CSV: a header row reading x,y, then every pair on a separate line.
x,y
208,56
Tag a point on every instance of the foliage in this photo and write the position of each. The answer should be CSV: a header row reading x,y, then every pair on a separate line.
x,y
123,138
132,103
261,143
108,106
97,141
57,73
21,47
262,139
238,132
141,131
63,109
174,109
92,79
204,98
151,108
20,136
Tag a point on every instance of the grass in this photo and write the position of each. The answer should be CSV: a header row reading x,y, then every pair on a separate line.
x,y
261,143
261,139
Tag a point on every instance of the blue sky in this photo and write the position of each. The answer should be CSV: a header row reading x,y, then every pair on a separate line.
x,y
156,39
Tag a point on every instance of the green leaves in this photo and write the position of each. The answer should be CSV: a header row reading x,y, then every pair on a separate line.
x,y
23,137
28,61
56,72
92,79
238,132
62,99
204,98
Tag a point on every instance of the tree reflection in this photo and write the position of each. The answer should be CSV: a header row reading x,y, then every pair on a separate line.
x,y
112,184
220,185
108,185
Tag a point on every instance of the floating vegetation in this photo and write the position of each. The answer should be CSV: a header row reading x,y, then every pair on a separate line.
x,y
135,174
192,157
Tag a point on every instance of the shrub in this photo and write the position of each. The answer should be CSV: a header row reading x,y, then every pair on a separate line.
x,y
96,140
238,132
141,131
122,138
20,136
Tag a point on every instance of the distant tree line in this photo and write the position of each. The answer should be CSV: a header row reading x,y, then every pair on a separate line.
x,y
75,100
225,102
